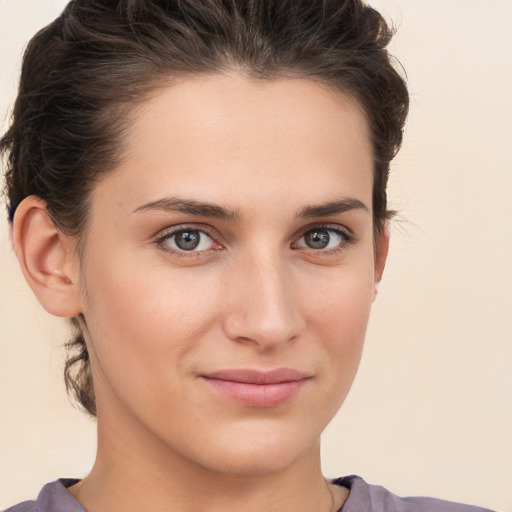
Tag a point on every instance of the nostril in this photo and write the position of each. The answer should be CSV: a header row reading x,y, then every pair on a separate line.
x,y
269,332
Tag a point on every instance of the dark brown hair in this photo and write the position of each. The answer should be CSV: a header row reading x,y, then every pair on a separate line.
x,y
83,75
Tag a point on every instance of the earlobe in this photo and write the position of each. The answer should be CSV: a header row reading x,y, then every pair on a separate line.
x,y
381,255
46,259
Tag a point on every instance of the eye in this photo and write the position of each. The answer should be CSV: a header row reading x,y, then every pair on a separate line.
x,y
187,240
324,238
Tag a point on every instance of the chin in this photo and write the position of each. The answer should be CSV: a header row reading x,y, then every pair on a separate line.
x,y
251,462
261,452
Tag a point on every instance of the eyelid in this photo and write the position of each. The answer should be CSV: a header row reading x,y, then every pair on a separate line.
x,y
326,225
171,231
207,230
345,232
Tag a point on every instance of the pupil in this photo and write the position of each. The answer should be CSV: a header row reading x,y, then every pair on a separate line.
x,y
187,240
317,239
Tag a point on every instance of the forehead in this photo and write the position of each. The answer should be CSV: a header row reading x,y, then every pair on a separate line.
x,y
228,138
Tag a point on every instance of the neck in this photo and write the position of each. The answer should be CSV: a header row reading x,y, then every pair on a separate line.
x,y
133,476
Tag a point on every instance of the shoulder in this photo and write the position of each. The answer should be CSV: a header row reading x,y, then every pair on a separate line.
x,y
26,506
365,497
54,497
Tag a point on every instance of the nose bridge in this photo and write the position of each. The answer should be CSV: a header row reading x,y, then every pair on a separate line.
x,y
264,308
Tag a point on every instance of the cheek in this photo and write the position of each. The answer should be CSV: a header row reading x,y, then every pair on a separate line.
x,y
148,298
336,306
339,301
143,318
337,315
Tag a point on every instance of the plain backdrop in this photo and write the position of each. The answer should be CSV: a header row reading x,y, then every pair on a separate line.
x,y
431,410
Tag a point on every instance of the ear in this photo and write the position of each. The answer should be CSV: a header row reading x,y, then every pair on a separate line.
x,y
47,258
381,255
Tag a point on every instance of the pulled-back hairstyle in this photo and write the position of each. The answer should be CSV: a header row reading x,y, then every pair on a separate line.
x,y
84,74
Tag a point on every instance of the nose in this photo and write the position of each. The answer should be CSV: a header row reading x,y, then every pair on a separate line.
x,y
263,304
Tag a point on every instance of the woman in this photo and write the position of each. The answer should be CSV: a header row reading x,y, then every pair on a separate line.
x,y
201,187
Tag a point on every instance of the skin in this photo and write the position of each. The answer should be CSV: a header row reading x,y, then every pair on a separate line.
x,y
254,295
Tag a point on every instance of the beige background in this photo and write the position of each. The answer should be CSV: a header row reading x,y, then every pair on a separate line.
x,y
431,409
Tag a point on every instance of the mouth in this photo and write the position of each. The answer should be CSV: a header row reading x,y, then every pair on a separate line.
x,y
256,388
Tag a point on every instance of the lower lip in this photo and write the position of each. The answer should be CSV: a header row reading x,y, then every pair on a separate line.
x,y
258,395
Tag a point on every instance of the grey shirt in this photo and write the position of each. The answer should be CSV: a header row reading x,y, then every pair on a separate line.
x,y
363,497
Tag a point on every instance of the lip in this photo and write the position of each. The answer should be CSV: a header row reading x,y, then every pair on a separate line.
x,y
256,388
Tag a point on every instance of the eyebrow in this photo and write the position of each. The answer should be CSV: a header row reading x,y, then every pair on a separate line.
x,y
191,207
211,210
332,208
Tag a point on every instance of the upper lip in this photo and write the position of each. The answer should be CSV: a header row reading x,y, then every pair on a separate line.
x,y
251,376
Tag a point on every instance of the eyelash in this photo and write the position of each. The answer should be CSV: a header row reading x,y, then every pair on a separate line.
x,y
347,237
160,242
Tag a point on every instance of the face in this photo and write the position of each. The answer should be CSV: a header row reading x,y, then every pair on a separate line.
x,y
229,272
